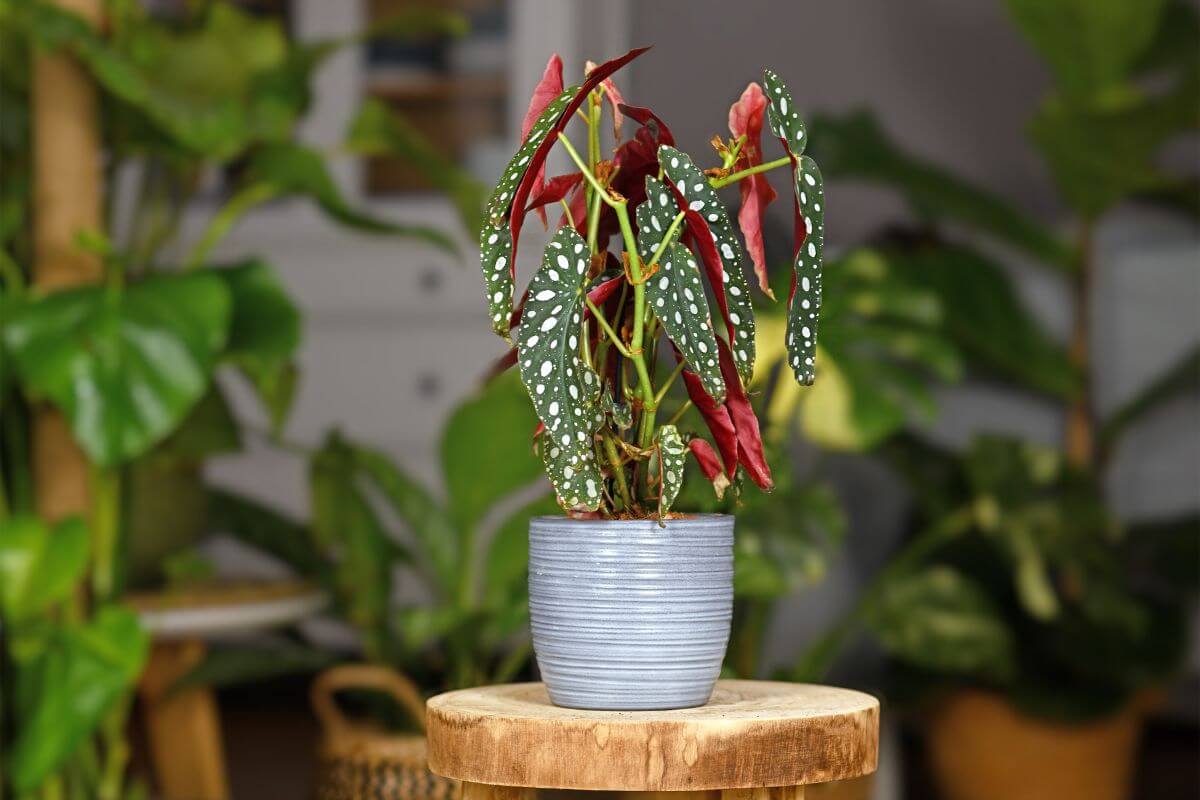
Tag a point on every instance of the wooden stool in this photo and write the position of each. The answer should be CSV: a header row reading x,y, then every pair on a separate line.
x,y
755,740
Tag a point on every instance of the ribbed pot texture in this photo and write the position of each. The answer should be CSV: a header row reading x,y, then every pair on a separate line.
x,y
628,615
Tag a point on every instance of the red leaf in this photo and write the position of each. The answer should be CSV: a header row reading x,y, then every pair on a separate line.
x,y
600,294
538,161
749,439
553,190
746,119
716,417
548,88
710,465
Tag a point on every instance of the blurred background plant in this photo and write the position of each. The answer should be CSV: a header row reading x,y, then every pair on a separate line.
x,y
199,112
1017,575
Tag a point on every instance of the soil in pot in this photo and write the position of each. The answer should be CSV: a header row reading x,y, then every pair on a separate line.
x,y
982,748
630,614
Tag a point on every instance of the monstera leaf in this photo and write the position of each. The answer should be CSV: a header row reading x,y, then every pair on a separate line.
x,y
565,390
39,566
124,365
675,292
699,197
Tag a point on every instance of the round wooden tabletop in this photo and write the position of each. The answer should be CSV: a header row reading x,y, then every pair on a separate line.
x,y
751,734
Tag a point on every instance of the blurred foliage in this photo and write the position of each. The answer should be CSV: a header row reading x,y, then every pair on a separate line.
x,y
190,96
373,525
1016,576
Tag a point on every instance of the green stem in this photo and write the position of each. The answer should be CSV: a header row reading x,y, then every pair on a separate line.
x,y
618,468
14,281
224,220
587,173
718,183
116,752
678,415
662,392
599,315
593,228
672,229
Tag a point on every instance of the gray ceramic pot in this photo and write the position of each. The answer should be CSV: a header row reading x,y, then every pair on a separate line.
x,y
629,615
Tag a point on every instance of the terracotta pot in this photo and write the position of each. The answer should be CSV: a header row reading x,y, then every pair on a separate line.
x,y
982,748
356,760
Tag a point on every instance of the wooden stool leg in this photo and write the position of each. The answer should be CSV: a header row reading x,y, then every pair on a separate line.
x,y
183,728
483,791
770,793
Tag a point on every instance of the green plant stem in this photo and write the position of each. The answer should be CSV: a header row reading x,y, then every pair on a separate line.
x,y
588,174
662,392
224,220
14,281
612,335
106,530
672,229
618,468
678,415
116,752
718,183
593,229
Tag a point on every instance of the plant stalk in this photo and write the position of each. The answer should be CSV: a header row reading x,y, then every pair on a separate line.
x,y
1080,435
718,183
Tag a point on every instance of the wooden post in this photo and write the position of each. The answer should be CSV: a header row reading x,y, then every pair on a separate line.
x,y
67,199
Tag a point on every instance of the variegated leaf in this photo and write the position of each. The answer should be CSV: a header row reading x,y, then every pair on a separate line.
x,y
672,453
502,195
702,199
804,305
564,389
676,292
783,115
495,244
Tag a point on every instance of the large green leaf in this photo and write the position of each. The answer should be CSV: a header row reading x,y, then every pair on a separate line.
x,y
293,169
783,114
675,292
430,525
265,529
487,449
83,673
1100,155
678,167
939,619
39,565
210,428
1090,44
985,318
1180,378
264,334
124,365
565,390
344,522
208,87
377,131
855,147
518,165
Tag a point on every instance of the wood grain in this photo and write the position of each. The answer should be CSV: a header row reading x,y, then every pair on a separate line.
x,y
751,734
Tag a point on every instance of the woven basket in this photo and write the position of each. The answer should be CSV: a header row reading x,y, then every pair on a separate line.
x,y
357,761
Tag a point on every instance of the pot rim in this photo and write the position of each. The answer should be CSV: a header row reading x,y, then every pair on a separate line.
x,y
691,520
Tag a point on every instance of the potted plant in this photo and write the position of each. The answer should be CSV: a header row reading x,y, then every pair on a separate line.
x,y
630,602
1031,621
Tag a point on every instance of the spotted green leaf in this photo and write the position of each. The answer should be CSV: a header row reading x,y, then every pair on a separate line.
x,y
804,306
675,292
510,179
671,455
495,250
783,114
564,389
702,199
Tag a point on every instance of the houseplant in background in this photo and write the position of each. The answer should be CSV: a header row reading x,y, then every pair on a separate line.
x,y
1033,622
623,587
131,363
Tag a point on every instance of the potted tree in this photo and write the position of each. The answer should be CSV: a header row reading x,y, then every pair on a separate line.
x,y
630,601
1031,621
